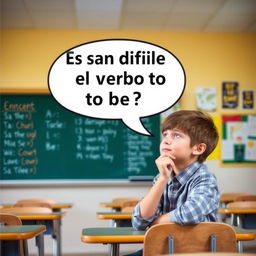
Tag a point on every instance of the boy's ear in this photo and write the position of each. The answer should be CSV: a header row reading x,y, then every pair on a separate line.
x,y
199,149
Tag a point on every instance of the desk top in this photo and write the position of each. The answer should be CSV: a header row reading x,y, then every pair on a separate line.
x,y
114,215
39,216
238,210
21,232
112,235
129,235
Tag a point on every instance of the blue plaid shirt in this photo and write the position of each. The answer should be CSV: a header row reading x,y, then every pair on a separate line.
x,y
189,198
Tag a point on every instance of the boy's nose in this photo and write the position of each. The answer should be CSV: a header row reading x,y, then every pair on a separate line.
x,y
167,140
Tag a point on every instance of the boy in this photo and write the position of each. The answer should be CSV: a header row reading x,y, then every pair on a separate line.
x,y
184,191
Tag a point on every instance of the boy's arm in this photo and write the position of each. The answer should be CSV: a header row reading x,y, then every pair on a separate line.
x,y
146,211
149,204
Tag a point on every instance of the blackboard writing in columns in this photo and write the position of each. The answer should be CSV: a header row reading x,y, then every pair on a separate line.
x,y
40,140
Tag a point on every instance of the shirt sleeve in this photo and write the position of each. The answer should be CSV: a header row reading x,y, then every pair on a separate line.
x,y
201,203
138,222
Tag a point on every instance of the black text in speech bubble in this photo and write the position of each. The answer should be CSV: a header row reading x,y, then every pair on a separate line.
x,y
117,79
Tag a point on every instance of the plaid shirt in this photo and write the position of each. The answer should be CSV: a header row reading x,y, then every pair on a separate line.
x,y
189,198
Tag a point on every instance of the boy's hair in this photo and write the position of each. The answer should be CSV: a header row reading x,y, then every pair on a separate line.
x,y
197,125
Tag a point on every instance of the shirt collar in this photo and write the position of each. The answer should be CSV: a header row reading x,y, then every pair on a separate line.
x,y
185,175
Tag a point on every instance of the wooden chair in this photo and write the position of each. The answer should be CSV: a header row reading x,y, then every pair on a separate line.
x,y
10,219
38,200
245,198
242,204
129,203
28,203
13,220
121,200
128,209
26,210
202,237
210,254
128,206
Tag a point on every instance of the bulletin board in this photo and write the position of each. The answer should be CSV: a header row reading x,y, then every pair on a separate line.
x,y
238,144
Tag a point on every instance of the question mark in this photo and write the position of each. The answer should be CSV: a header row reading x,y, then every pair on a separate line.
x,y
137,97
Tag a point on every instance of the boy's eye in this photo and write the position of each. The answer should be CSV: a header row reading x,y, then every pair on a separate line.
x,y
176,135
164,134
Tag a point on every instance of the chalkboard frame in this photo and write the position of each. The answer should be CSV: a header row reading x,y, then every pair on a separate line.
x,y
143,180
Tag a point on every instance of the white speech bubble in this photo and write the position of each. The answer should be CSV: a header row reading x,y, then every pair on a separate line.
x,y
117,79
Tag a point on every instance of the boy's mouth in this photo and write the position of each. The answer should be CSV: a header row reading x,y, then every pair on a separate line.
x,y
167,150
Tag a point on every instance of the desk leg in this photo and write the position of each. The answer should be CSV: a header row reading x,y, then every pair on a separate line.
x,y
57,238
40,244
240,246
239,220
114,249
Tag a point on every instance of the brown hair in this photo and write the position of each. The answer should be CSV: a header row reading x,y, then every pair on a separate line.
x,y
197,125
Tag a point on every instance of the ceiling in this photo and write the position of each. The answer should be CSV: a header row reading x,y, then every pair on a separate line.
x,y
164,15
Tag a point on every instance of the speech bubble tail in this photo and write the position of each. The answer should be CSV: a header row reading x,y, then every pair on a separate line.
x,y
135,124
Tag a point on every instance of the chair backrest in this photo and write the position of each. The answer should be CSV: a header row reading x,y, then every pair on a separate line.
x,y
9,219
121,200
188,238
127,209
245,198
38,200
242,204
25,210
130,203
33,204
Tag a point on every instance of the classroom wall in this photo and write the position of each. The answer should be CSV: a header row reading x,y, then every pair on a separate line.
x,y
208,59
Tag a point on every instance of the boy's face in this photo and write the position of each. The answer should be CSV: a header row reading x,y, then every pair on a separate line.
x,y
177,144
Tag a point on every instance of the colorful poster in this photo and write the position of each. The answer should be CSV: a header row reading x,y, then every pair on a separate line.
x,y
238,139
248,97
206,98
230,94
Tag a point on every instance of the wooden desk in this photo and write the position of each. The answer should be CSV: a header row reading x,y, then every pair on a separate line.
x,y
122,235
238,210
114,215
117,218
237,215
52,221
24,232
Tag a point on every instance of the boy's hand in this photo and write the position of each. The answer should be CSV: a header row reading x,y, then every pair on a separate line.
x,y
165,165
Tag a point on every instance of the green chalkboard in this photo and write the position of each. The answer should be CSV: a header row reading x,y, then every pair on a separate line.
x,y
40,140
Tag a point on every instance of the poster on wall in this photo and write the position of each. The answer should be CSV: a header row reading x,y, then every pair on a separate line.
x,y
230,94
248,97
238,139
206,99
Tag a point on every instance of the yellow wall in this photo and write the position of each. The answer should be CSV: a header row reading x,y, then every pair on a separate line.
x,y
208,58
